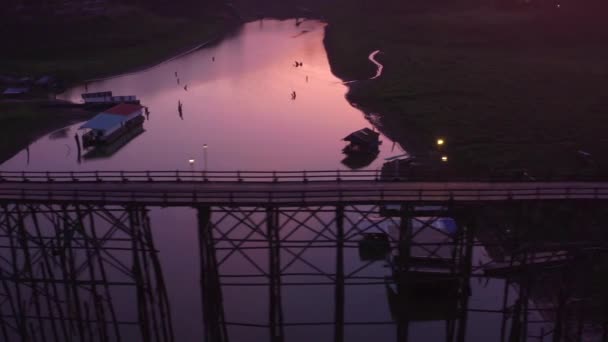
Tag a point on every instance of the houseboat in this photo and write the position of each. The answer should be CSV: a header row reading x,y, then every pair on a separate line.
x,y
111,124
106,99
363,141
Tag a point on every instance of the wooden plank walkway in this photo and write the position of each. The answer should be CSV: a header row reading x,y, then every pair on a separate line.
x,y
183,193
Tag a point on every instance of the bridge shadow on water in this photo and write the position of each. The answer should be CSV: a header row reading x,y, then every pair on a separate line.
x,y
400,272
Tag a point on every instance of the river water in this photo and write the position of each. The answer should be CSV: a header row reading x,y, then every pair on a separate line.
x,y
238,102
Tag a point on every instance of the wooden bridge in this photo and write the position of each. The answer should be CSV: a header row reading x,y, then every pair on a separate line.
x,y
68,239
183,188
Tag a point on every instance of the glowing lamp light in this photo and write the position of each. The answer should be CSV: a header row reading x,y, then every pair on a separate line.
x,y
444,158
205,146
191,161
440,142
559,5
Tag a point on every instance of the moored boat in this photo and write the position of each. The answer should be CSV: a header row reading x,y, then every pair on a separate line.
x,y
111,124
363,141
106,99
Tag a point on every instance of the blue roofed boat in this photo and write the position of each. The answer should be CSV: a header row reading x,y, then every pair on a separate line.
x,y
111,124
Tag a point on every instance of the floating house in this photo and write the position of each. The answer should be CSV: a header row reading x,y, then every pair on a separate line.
x,y
362,141
111,124
99,97
105,98
16,91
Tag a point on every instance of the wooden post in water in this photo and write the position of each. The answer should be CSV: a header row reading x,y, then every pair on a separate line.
x,y
77,138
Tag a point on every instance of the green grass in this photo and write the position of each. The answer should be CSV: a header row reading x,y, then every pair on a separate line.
x,y
103,46
507,89
22,123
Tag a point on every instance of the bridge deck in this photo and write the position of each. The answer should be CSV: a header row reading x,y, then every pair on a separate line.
x,y
179,193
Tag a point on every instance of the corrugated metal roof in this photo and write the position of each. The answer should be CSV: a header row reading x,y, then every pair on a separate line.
x,y
364,135
16,91
105,122
124,109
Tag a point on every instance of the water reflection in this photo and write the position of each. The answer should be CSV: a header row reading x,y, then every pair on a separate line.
x,y
235,96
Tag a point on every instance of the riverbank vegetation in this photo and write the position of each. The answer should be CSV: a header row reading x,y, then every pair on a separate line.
x,y
23,122
507,89
125,38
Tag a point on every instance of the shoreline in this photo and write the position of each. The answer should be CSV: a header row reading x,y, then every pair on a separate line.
x,y
44,120
182,53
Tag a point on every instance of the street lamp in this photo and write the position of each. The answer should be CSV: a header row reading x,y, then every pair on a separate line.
x,y
444,159
440,142
191,162
205,156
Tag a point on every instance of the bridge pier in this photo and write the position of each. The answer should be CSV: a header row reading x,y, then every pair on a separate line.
x,y
211,292
339,287
274,265
58,258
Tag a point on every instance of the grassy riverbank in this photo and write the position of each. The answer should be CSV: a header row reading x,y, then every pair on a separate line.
x,y
23,122
128,38
508,89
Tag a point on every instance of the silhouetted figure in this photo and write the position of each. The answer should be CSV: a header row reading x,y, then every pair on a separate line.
x,y
186,87
27,151
306,78
176,74
295,64
147,113
179,110
213,59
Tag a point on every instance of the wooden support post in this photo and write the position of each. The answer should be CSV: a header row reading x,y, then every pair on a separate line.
x,y
47,274
98,305
142,308
275,312
29,269
339,288
211,294
401,273
70,272
161,289
146,272
466,265
20,316
104,278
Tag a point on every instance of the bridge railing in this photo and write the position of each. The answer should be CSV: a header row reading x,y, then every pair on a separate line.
x,y
303,196
257,176
186,175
